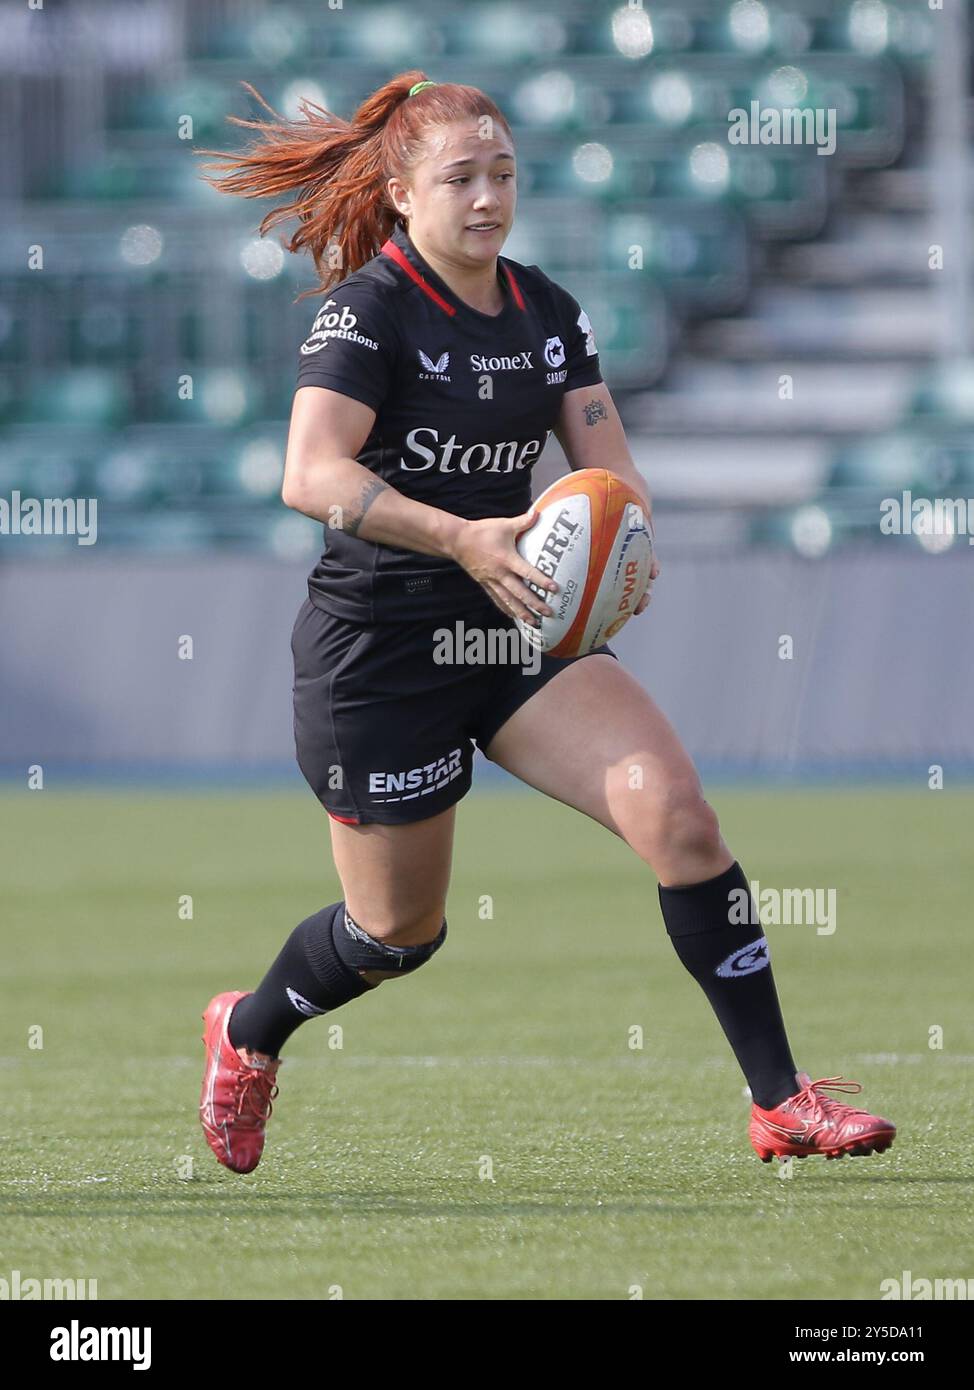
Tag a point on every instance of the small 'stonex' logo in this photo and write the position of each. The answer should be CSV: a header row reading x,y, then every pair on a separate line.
x,y
745,960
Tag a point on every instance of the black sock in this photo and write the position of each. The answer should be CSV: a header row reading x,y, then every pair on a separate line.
x,y
307,978
737,980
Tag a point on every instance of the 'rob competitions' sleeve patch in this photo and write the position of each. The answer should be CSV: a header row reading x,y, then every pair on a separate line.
x,y
351,347
581,350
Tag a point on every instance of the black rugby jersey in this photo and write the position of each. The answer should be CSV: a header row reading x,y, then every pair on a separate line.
x,y
396,337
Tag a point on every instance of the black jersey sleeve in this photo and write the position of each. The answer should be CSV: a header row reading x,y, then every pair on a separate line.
x,y
581,352
352,346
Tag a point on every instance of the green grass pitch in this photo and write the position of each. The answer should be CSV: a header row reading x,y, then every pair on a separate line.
x,y
485,1130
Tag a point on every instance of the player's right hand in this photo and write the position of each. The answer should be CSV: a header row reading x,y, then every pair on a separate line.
x,y
487,551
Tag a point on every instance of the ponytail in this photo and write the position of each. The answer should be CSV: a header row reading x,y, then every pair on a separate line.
x,y
338,169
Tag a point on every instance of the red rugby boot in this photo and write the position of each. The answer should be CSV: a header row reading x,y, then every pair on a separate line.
x,y
812,1123
238,1088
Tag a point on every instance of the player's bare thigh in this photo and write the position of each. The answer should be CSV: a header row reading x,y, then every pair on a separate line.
x,y
596,740
395,877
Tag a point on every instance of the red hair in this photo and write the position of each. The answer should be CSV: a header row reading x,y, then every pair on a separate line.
x,y
340,168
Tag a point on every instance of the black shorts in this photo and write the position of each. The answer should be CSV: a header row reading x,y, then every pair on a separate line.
x,y
384,726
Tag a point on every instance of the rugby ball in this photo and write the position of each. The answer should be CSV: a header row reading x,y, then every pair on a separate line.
x,y
592,538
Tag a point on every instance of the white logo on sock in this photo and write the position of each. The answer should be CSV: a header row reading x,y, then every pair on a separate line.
x,y
745,960
303,1006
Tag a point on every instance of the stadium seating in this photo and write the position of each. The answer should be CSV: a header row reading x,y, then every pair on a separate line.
x,y
689,252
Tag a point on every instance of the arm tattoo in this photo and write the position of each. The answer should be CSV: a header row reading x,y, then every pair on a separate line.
x,y
594,412
370,491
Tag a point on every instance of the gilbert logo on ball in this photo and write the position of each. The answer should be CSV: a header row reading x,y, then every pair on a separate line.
x,y
591,537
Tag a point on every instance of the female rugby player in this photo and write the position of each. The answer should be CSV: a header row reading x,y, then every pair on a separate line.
x,y
432,375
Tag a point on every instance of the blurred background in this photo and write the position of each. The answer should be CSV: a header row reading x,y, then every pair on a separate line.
x,y
785,332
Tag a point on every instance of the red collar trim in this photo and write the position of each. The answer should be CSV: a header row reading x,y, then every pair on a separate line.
x,y
396,254
515,288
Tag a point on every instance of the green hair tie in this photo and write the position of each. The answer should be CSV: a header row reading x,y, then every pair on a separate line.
x,y
418,87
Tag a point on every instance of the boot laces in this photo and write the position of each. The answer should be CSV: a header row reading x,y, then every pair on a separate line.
x,y
255,1096
810,1095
